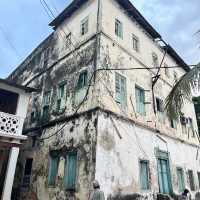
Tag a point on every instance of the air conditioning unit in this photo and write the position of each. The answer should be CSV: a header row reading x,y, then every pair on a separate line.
x,y
184,120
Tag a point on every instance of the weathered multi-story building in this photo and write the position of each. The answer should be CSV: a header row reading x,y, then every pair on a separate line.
x,y
100,110
196,101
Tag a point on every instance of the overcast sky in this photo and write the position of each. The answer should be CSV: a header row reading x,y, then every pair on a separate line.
x,y
24,24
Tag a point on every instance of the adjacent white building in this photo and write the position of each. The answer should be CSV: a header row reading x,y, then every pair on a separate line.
x,y
13,104
108,124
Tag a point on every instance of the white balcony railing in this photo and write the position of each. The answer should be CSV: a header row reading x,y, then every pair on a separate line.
x,y
10,124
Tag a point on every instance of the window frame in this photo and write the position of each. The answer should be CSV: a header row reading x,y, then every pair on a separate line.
x,y
83,85
138,111
67,187
46,104
60,95
148,174
51,157
135,44
84,26
182,171
191,181
155,61
27,175
166,69
118,28
198,175
121,101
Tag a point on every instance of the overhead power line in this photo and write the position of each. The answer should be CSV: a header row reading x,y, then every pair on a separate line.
x,y
89,85
8,40
52,16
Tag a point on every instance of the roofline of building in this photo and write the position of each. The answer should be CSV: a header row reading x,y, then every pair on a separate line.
x,y
126,4
134,13
176,57
21,87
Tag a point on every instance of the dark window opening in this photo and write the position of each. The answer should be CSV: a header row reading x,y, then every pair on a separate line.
x,y
27,173
191,180
159,105
8,101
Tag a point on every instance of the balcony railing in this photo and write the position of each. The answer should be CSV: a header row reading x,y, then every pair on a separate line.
x,y
10,124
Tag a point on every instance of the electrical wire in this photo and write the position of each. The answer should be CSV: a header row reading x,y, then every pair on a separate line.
x,y
88,88
62,29
94,73
12,46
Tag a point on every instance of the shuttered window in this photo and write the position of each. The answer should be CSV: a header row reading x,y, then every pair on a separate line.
x,y
140,100
82,80
53,168
61,97
120,89
70,171
191,180
198,174
84,26
164,176
181,182
118,28
144,175
46,105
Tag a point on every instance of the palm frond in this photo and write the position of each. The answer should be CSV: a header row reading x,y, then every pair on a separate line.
x,y
182,90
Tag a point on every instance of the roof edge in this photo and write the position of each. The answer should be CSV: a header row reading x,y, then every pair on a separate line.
x,y
13,84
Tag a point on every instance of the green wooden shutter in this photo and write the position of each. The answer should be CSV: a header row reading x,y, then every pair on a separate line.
x,y
191,180
180,176
123,92
70,171
137,97
120,89
164,176
142,101
63,97
53,169
117,88
198,174
82,80
120,30
144,175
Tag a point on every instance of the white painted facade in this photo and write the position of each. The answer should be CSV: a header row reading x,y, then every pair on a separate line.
x,y
117,165
12,140
124,137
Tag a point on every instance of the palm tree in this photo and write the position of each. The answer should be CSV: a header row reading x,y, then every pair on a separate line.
x,y
181,91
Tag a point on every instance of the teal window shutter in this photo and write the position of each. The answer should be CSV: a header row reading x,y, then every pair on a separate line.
x,y
117,88
191,180
181,182
82,80
144,175
120,89
123,91
53,169
140,100
164,176
46,105
61,97
118,28
198,174
70,171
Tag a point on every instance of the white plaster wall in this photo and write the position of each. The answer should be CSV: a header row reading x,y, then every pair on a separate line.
x,y
117,160
73,25
119,53
111,11
116,57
